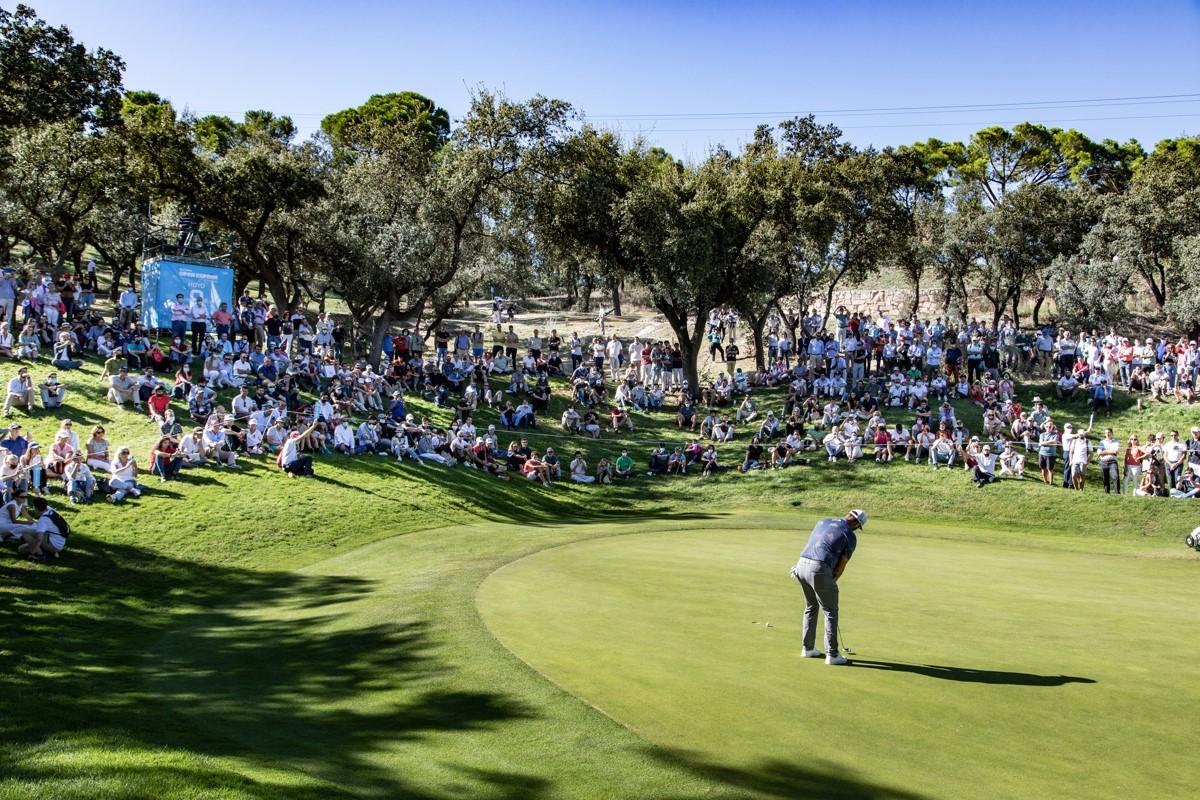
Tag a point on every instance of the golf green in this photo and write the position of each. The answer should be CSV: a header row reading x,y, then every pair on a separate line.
x,y
982,669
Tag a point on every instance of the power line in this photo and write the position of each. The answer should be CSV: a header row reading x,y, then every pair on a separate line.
x,y
1095,102
934,124
1014,106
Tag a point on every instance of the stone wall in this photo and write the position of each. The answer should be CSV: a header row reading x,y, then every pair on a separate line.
x,y
897,301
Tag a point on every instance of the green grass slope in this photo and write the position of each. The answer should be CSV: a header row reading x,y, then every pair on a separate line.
x,y
239,635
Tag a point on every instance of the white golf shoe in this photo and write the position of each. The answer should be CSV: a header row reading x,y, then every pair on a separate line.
x,y
814,653
836,661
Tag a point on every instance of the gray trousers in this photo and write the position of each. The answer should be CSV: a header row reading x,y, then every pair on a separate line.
x,y
820,590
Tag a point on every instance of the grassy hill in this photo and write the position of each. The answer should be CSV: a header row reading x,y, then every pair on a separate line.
x,y
225,636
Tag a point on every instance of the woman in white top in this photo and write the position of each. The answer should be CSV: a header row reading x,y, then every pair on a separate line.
x,y
15,518
6,340
124,477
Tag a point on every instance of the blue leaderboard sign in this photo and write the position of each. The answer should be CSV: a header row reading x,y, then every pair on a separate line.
x,y
163,278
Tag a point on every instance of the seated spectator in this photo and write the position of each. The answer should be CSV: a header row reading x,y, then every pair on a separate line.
x,y
80,483
124,477
942,452
571,421
579,469
754,456
708,461
20,392
604,471
985,467
1067,386
53,393
122,389
16,518
686,415
291,459
620,417
677,462
51,532
834,444
534,469
623,466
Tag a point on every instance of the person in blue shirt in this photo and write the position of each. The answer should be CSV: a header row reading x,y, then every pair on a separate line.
x,y
823,561
267,371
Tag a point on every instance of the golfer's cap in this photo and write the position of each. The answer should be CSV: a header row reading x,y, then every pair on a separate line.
x,y
1195,430
1037,399
860,516
14,427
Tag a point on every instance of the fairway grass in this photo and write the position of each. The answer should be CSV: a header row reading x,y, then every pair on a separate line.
x,y
984,669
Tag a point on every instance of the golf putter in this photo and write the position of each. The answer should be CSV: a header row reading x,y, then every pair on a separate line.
x,y
842,640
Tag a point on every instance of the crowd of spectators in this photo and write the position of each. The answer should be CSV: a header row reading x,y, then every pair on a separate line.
x,y
254,381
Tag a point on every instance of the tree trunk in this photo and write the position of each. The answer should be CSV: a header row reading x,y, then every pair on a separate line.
x,y
1037,310
690,342
589,284
616,298
572,285
757,324
382,324
1016,309
1157,284
915,278
829,299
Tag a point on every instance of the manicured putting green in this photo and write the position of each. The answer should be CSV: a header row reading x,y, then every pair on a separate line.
x,y
984,670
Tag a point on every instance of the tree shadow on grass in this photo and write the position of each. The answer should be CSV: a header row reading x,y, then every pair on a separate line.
x,y
967,675
776,779
143,653
494,500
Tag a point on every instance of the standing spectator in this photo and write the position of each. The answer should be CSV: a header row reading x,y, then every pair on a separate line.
x,y
1107,452
8,295
198,314
126,306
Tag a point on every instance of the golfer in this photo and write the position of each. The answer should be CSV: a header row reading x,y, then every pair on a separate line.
x,y
823,561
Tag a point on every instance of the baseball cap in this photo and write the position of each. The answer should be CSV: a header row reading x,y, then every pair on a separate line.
x,y
860,516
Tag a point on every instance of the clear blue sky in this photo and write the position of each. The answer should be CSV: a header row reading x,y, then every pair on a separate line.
x,y
633,65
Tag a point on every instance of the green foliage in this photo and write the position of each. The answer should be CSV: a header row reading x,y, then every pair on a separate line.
x,y
46,76
56,177
362,127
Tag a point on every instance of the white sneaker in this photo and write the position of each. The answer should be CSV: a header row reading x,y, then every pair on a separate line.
x,y
814,653
836,661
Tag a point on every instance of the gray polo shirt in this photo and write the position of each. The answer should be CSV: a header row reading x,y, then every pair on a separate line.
x,y
831,538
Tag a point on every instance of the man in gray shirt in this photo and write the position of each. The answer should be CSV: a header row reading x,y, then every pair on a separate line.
x,y
829,549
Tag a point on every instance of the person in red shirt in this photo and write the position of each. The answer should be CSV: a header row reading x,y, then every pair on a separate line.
x,y
222,318
158,403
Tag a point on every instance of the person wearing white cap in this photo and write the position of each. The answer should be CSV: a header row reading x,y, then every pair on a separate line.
x,y
824,559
